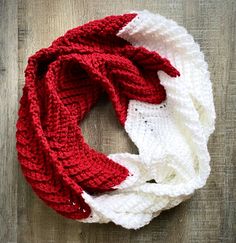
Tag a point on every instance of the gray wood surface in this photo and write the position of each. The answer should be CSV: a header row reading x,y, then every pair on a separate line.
x,y
210,215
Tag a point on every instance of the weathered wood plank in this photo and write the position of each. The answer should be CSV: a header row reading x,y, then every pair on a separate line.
x,y
8,112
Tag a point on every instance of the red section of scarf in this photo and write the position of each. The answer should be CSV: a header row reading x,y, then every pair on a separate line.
x,y
62,83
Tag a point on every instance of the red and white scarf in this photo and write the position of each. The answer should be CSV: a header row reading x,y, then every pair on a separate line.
x,y
157,80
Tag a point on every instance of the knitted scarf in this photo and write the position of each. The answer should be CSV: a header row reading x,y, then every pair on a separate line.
x,y
158,83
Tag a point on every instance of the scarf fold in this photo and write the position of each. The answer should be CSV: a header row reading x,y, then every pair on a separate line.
x,y
62,83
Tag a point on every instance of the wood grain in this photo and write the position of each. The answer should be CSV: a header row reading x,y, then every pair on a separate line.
x,y
210,216
8,114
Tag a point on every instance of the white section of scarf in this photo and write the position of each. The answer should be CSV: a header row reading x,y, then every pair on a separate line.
x,y
172,137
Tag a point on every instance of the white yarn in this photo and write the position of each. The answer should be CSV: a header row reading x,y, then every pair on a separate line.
x,y
171,137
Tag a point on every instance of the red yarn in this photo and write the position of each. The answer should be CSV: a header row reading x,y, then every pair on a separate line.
x,y
62,83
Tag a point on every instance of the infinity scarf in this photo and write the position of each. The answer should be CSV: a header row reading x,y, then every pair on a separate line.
x,y
158,83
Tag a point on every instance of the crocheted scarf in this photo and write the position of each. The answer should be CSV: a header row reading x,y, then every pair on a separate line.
x,y
158,83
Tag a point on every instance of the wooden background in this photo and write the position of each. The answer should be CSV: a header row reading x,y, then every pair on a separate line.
x,y
25,27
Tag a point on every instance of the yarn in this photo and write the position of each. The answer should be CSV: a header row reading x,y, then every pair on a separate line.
x,y
157,80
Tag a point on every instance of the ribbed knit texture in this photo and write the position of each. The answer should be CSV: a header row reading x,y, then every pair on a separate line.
x,y
168,114
62,83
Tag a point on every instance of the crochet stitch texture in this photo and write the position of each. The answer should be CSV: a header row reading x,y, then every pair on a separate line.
x,y
169,116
